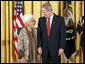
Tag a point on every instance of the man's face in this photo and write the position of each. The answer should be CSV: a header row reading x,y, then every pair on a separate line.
x,y
45,12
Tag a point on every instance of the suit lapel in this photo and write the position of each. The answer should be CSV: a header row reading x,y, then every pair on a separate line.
x,y
53,25
45,27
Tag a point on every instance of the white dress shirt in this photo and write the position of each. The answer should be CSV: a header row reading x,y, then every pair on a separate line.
x,y
51,19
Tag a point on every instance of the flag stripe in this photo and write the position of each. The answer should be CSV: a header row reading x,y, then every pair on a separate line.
x,y
16,50
15,38
17,26
15,18
21,21
14,27
18,23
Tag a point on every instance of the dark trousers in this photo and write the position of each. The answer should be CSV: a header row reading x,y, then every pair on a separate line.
x,y
47,57
83,53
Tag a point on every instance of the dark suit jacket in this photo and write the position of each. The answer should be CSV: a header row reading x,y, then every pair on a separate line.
x,y
57,35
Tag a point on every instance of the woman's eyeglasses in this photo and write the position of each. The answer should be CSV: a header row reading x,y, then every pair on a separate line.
x,y
33,21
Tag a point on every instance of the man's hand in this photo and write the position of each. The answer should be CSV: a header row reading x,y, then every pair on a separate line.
x,y
23,60
40,50
60,51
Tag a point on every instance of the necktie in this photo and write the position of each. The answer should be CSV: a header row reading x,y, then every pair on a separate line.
x,y
48,27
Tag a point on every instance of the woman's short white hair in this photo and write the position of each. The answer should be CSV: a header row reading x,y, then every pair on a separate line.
x,y
26,17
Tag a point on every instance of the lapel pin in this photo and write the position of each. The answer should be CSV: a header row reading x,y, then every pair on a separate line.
x,y
54,22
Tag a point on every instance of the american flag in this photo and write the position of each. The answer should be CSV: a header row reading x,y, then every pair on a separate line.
x,y
18,23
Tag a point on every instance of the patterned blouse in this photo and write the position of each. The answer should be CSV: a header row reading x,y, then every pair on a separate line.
x,y
27,45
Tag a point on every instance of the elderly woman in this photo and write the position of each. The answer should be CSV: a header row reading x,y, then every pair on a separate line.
x,y
27,45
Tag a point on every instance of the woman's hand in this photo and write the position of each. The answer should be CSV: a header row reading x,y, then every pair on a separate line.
x,y
23,60
40,50
60,52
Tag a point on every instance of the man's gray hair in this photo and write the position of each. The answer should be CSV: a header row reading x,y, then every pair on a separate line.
x,y
47,6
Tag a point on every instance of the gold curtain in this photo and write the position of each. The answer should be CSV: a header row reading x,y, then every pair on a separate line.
x,y
34,7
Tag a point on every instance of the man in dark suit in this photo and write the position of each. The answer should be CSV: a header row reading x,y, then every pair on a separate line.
x,y
51,35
